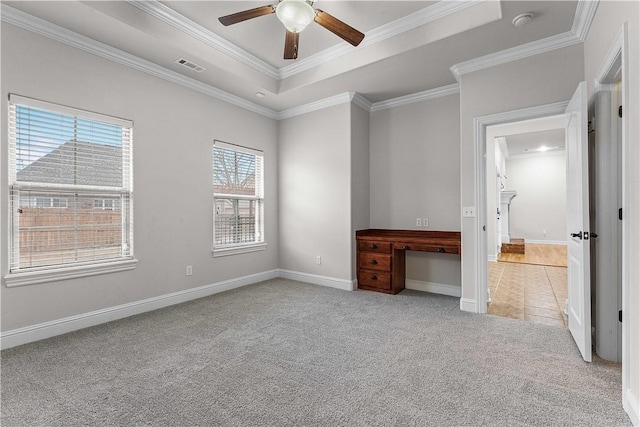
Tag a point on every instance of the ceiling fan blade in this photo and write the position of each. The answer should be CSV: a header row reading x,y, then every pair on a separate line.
x,y
291,45
339,28
247,14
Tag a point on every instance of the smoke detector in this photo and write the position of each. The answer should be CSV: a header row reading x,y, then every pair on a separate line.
x,y
522,19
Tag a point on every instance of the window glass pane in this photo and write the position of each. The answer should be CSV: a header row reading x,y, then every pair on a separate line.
x,y
234,172
237,221
75,231
58,148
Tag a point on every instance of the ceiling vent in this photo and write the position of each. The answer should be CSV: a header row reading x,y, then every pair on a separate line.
x,y
190,65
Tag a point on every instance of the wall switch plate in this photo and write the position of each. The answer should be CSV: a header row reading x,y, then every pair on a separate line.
x,y
425,222
418,222
469,212
318,260
189,270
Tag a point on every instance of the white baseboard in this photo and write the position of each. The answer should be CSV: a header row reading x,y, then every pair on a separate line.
x,y
492,258
469,305
435,288
315,279
546,242
631,405
50,329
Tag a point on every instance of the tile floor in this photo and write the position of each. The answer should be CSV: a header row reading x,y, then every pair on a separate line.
x,y
536,293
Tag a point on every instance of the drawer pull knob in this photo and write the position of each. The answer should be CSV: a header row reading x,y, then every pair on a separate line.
x,y
441,250
373,246
374,277
405,247
373,261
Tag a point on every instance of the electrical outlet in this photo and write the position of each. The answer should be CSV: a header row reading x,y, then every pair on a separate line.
x,y
425,222
418,222
318,260
189,270
469,211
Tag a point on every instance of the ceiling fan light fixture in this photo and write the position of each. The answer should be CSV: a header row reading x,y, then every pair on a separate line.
x,y
295,15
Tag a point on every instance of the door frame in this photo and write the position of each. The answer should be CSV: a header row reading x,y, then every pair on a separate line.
x,y
617,59
480,125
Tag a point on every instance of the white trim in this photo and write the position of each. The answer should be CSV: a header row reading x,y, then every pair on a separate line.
x,y
631,405
50,329
235,250
63,35
360,101
34,277
426,95
546,242
315,279
434,288
202,34
515,53
480,125
339,99
492,258
585,11
467,304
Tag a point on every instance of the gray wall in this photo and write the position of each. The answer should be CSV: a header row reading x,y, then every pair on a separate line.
x,y
541,203
415,173
538,80
174,129
315,192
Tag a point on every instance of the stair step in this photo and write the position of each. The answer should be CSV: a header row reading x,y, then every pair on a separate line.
x,y
515,246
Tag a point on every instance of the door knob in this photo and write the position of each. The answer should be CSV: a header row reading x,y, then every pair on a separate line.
x,y
578,235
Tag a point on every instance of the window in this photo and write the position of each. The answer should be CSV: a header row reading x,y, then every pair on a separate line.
x,y
238,204
70,191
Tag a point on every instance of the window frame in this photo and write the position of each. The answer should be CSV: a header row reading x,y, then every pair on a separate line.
x,y
246,247
62,271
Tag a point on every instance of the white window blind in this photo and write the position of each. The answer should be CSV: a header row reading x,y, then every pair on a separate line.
x,y
238,196
71,182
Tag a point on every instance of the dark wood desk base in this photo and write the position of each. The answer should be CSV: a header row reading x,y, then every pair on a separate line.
x,y
381,254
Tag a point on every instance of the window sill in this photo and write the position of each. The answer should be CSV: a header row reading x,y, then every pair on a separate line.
x,y
234,250
63,273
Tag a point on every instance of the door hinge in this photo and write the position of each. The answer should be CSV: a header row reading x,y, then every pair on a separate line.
x,y
620,214
620,316
620,111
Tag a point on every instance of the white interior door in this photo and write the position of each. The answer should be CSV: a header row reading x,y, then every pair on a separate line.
x,y
578,271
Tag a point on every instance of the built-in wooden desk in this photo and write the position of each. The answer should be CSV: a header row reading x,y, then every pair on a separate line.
x,y
381,254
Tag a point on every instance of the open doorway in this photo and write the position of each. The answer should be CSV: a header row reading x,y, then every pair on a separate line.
x,y
526,220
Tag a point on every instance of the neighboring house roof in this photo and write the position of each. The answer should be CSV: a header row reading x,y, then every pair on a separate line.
x,y
77,162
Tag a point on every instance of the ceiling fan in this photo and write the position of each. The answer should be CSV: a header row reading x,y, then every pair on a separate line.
x,y
295,15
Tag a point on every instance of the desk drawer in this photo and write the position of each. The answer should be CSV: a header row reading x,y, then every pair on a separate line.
x,y
374,261
427,248
374,246
371,279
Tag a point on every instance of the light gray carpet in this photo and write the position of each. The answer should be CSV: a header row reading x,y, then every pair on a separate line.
x,y
284,353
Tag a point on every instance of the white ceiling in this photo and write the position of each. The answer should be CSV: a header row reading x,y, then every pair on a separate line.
x,y
536,142
409,46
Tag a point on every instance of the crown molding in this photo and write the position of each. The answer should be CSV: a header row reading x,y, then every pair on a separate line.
x,y
426,95
360,101
526,50
391,29
376,35
202,34
68,37
342,98
583,17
